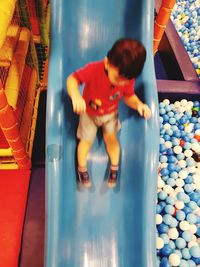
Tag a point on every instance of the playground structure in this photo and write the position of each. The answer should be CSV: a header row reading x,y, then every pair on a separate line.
x,y
23,74
24,51
22,38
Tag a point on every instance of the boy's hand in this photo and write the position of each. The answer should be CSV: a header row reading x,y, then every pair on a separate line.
x,y
79,105
144,111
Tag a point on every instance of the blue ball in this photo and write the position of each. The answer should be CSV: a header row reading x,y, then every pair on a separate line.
x,y
171,182
186,254
177,134
174,175
163,228
170,152
191,218
172,121
164,262
196,260
187,210
183,263
187,236
180,243
170,200
180,215
167,218
195,251
164,172
194,196
188,188
165,238
163,148
163,159
172,159
165,118
166,250
158,209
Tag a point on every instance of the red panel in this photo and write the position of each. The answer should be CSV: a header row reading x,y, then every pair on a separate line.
x,y
13,196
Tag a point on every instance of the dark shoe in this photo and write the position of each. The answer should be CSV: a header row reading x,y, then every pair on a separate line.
x,y
84,179
112,179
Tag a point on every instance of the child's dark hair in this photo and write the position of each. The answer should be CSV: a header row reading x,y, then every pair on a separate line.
x,y
129,56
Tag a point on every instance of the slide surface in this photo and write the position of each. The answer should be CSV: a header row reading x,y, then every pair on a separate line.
x,y
100,227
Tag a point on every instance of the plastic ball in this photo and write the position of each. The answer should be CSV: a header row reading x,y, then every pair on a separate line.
x,y
159,219
177,149
179,205
164,262
173,233
191,218
163,228
174,259
180,215
187,236
180,243
184,225
166,250
159,243
195,251
186,254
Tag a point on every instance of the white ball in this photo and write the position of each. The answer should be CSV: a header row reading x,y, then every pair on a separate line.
x,y
193,228
182,163
180,182
188,129
173,233
196,147
159,243
160,183
167,126
174,259
192,169
188,153
196,178
166,102
177,149
177,104
179,204
192,244
168,189
184,225
184,102
164,165
183,174
159,219
178,189
168,144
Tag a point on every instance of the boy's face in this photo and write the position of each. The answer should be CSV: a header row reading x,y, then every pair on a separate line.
x,y
113,74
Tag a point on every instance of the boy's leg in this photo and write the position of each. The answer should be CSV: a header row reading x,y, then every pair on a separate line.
x,y
112,147
86,133
113,150
82,152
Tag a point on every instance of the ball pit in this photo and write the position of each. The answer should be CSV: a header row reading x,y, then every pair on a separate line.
x,y
186,18
178,197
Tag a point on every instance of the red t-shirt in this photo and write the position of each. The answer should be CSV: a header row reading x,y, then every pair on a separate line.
x,y
100,95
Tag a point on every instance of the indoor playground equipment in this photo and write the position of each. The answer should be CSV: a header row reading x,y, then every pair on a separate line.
x,y
100,227
21,81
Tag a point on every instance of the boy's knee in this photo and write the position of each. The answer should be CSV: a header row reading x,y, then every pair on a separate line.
x,y
110,138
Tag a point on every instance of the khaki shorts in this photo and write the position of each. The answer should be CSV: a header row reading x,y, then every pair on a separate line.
x,y
88,125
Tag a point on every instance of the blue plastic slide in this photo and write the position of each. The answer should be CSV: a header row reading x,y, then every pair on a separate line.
x,y
100,227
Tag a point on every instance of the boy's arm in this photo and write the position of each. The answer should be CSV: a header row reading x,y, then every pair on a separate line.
x,y
135,103
78,102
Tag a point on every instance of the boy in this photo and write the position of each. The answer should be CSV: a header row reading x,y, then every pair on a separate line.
x,y
105,83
